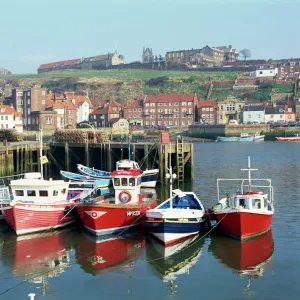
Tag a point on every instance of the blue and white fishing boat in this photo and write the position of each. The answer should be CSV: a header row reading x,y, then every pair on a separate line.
x,y
180,216
244,137
76,177
92,172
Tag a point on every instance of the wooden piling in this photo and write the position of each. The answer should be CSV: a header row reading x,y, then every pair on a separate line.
x,y
67,157
87,155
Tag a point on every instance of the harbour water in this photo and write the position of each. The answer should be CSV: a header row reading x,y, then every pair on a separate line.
x,y
71,264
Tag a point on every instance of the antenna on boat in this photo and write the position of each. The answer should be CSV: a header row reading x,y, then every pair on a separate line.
x,y
41,152
249,173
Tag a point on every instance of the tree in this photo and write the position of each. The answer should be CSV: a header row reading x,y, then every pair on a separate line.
x,y
246,53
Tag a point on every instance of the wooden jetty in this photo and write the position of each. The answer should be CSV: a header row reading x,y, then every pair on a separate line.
x,y
22,157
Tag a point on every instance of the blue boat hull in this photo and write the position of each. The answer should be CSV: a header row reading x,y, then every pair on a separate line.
x,y
170,231
149,180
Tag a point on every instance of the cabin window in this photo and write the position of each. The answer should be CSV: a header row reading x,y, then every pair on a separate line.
x,y
117,181
243,203
31,193
19,193
132,181
55,193
265,203
43,193
63,191
256,203
124,182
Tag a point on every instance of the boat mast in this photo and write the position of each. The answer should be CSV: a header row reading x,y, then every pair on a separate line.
x,y
41,152
249,173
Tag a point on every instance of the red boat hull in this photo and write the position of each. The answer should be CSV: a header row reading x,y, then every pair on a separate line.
x,y
29,218
244,225
288,139
105,219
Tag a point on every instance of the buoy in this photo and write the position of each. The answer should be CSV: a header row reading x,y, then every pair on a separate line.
x,y
12,203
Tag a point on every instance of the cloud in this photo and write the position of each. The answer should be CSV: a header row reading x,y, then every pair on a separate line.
x,y
39,57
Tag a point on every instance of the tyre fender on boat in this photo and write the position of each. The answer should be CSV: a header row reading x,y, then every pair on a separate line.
x,y
125,197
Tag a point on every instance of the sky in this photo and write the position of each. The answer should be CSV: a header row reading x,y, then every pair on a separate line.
x,y
34,32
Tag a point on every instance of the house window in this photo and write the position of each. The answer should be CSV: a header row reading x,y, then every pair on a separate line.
x,y
260,72
183,103
49,120
170,122
221,107
249,116
6,117
43,102
6,125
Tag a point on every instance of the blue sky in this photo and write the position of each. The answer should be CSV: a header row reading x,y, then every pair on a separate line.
x,y
40,31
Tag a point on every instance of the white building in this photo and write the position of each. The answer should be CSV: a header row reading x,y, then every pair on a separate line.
x,y
265,71
253,113
10,119
275,113
83,106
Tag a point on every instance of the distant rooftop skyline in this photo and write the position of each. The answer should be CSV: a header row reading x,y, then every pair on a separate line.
x,y
35,32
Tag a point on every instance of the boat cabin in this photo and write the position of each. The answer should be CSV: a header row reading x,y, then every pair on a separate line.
x,y
126,164
39,191
249,200
127,185
4,194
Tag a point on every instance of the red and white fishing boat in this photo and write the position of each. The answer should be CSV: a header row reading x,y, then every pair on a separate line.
x,y
295,138
248,212
39,205
106,215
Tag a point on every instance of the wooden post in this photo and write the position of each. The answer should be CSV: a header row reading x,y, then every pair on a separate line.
x,y
146,152
87,155
133,152
67,157
22,160
30,159
109,158
161,163
192,161
6,161
17,161
26,159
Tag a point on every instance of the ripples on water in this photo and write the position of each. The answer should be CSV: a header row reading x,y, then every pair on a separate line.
x,y
214,267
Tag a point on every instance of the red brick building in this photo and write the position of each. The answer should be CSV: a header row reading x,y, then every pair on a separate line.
x,y
133,112
207,111
170,110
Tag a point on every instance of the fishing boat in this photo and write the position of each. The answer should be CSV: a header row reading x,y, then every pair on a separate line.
x,y
248,258
100,255
92,172
75,176
295,138
178,217
102,215
249,211
36,204
175,260
244,137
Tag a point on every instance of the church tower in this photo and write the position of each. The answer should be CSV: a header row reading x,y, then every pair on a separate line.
x,y
147,55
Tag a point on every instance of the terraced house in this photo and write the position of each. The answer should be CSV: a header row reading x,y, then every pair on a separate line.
x,y
170,110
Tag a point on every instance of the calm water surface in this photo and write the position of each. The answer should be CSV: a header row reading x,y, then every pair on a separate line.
x,y
70,264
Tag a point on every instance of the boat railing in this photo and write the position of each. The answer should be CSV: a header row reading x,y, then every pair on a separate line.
x,y
245,184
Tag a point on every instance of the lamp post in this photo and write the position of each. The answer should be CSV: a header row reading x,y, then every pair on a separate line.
x,y
94,133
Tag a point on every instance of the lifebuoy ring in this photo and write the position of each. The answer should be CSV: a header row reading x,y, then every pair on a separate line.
x,y
125,197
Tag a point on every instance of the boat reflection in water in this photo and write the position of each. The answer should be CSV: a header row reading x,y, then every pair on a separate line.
x,y
246,258
174,260
97,255
37,257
